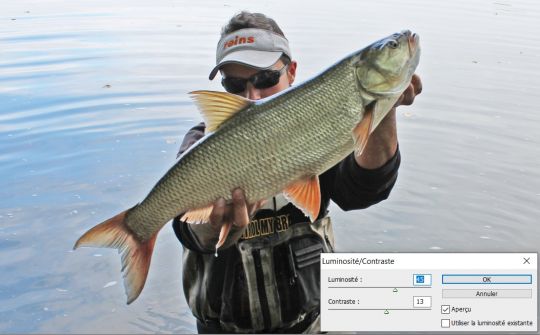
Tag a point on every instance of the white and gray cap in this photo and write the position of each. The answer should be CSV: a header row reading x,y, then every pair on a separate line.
x,y
258,48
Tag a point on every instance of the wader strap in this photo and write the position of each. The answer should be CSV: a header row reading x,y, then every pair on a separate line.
x,y
266,261
257,321
270,286
323,228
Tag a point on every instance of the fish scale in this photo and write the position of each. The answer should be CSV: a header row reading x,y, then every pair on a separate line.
x,y
299,130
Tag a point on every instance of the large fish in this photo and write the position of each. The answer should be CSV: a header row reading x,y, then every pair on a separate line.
x,y
278,144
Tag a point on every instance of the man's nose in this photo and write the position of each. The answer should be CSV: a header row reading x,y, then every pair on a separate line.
x,y
252,93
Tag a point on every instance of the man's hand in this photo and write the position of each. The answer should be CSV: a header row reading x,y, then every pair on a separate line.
x,y
415,88
229,219
235,213
382,143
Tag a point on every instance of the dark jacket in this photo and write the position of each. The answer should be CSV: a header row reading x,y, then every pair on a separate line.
x,y
269,279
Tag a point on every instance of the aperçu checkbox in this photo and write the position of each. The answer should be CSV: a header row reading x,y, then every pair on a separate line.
x,y
445,309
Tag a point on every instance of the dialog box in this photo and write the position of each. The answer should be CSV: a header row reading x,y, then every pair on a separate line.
x,y
489,292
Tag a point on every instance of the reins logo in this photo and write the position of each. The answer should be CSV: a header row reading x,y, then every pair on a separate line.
x,y
238,40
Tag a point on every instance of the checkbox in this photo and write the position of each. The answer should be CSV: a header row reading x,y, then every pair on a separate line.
x,y
445,323
445,309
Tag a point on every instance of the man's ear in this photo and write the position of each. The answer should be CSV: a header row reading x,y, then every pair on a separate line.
x,y
291,71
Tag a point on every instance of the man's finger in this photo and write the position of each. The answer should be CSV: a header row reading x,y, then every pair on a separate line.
x,y
241,217
399,101
408,95
406,98
216,217
417,83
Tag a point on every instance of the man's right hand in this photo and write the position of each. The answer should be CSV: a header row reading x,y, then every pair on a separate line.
x,y
224,216
235,213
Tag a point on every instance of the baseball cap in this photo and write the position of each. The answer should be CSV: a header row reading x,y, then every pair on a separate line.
x,y
258,48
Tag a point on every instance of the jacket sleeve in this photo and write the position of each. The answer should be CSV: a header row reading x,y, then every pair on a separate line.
x,y
352,187
192,136
199,238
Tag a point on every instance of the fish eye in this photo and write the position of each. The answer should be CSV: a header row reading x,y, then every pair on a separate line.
x,y
392,44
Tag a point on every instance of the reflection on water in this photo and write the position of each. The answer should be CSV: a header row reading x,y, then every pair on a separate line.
x,y
94,105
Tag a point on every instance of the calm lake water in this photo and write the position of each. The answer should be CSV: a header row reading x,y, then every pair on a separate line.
x,y
94,106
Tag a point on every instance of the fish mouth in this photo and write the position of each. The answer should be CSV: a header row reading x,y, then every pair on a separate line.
x,y
412,40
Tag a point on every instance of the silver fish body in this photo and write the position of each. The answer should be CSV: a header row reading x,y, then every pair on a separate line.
x,y
300,133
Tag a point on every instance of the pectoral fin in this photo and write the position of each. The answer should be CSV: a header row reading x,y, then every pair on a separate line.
x,y
223,234
373,115
306,195
226,227
362,130
381,109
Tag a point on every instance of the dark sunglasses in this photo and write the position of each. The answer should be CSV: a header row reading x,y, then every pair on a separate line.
x,y
260,80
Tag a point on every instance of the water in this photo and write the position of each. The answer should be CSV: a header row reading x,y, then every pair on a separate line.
x,y
94,106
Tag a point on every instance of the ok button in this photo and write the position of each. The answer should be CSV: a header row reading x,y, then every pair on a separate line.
x,y
487,279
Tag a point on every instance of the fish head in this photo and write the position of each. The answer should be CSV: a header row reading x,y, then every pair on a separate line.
x,y
385,68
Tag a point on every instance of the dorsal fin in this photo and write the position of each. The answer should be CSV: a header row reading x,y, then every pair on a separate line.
x,y
217,107
306,195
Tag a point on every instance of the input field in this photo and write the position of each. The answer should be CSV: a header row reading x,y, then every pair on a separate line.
x,y
487,279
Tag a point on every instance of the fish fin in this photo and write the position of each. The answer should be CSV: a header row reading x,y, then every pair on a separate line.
x,y
252,208
375,113
218,107
381,109
136,255
223,233
226,228
198,215
306,195
362,130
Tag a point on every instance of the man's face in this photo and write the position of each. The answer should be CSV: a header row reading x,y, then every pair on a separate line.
x,y
252,93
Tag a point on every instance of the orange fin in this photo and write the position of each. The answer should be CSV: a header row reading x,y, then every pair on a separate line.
x,y
252,208
198,215
381,109
218,107
362,130
226,228
136,255
306,195
224,232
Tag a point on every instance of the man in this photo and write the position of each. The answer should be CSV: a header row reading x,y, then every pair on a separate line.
x,y
266,276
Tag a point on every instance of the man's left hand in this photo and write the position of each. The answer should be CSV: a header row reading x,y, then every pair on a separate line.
x,y
382,143
415,88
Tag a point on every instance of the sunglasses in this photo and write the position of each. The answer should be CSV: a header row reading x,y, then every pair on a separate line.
x,y
260,80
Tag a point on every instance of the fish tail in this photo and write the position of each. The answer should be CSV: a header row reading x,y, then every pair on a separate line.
x,y
136,254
